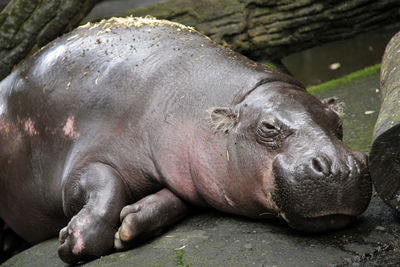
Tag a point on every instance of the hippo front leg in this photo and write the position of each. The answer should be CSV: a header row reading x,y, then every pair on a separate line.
x,y
93,197
148,217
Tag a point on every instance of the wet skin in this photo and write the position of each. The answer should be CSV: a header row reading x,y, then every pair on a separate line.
x,y
111,131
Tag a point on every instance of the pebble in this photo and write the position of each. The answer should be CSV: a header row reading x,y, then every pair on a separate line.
x,y
248,246
380,228
334,66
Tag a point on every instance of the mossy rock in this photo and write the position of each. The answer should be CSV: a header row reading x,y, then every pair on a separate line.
x,y
359,91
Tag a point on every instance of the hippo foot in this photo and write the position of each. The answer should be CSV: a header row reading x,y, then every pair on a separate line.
x,y
81,240
72,243
147,218
90,232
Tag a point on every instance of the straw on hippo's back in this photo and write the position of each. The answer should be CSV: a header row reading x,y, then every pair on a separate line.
x,y
111,121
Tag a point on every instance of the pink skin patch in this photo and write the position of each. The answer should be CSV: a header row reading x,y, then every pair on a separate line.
x,y
69,128
4,126
26,125
29,127
79,246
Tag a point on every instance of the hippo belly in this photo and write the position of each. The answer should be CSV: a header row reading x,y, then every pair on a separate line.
x,y
114,129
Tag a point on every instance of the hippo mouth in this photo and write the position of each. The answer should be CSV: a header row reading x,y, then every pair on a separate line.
x,y
316,197
319,224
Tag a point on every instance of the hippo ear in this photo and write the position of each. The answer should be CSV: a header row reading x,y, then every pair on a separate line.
x,y
333,104
222,118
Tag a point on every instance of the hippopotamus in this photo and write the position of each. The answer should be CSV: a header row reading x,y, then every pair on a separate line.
x,y
110,133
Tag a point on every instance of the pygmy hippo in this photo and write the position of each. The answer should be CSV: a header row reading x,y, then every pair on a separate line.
x,y
110,132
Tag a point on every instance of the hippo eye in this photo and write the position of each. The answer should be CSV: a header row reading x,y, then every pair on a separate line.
x,y
267,132
268,126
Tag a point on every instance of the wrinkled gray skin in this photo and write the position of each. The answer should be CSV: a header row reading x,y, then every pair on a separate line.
x,y
105,135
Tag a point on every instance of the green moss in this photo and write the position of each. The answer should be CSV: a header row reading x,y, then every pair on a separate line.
x,y
358,91
181,258
352,77
271,65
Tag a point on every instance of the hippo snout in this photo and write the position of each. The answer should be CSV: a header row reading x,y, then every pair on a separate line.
x,y
325,167
321,192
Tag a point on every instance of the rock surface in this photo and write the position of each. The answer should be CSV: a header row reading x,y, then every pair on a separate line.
x,y
210,238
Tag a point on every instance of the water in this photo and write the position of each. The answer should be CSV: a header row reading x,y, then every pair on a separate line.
x,y
318,64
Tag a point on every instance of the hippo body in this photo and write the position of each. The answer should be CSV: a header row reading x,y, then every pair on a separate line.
x,y
113,129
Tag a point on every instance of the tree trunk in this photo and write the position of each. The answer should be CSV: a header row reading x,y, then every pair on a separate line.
x,y
27,23
260,29
385,151
266,29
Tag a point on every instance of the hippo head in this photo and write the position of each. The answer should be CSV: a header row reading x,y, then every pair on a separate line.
x,y
291,143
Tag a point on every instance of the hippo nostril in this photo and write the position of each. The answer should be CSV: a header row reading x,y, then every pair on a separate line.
x,y
316,165
319,165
